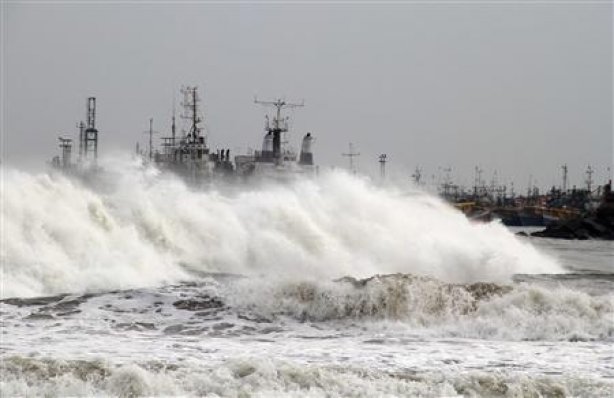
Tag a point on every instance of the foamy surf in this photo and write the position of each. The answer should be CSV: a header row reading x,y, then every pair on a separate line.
x,y
227,306
137,228
264,378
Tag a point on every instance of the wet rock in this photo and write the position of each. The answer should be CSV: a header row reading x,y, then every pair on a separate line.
x,y
580,229
597,225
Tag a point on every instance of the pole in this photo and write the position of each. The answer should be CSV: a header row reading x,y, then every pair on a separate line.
x,y
150,139
382,163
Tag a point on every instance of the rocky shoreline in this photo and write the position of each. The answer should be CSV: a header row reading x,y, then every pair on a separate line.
x,y
598,224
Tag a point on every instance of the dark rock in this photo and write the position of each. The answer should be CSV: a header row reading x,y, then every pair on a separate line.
x,y
581,228
597,225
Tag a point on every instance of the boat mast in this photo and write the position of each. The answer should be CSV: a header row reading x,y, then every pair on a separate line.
x,y
190,104
278,123
151,132
351,155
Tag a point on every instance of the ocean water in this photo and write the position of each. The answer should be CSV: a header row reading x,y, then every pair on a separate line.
x,y
133,284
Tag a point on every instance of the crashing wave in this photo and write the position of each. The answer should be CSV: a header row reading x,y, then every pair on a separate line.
x,y
477,310
409,303
140,229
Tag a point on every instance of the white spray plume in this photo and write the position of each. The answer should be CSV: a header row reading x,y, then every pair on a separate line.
x,y
140,228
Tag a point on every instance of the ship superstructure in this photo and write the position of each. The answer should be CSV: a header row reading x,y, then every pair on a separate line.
x,y
276,158
187,154
190,156
88,145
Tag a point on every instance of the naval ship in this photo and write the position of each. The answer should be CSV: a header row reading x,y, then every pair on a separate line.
x,y
188,154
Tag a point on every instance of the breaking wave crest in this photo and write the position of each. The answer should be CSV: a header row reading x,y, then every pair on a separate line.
x,y
397,304
478,310
266,378
133,227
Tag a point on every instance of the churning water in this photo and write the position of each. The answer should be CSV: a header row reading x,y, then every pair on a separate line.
x,y
135,284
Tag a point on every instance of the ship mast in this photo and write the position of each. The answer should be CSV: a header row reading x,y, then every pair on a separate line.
x,y
417,175
589,178
279,125
190,104
173,126
90,135
351,155
382,165
564,187
151,132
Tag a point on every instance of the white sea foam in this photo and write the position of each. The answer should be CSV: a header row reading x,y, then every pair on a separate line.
x,y
137,228
270,378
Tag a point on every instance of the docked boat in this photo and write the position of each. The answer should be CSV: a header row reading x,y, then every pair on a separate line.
x,y
188,154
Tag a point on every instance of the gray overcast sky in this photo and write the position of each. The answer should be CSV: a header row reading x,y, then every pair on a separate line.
x,y
517,87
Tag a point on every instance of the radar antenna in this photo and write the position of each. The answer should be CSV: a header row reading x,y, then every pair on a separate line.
x,y
280,124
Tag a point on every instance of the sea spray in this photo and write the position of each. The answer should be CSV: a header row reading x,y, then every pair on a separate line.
x,y
133,226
